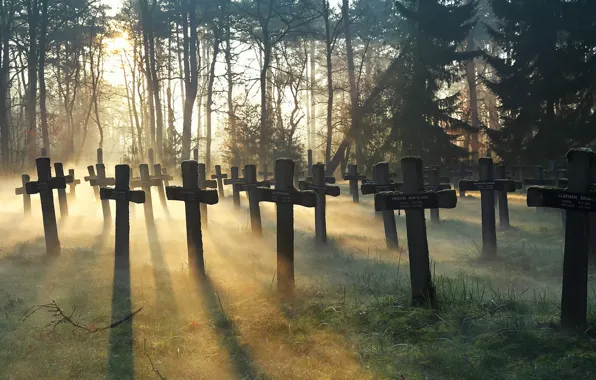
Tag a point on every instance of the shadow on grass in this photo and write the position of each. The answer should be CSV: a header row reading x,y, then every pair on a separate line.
x,y
120,355
161,273
240,355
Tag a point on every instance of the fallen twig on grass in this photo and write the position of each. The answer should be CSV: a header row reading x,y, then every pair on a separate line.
x,y
153,368
63,318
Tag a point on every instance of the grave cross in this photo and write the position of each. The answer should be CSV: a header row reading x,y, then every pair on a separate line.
x,y
193,196
320,187
73,184
501,173
92,175
265,173
462,172
354,178
236,183
579,200
487,186
204,183
101,180
145,183
122,194
285,196
250,186
382,183
44,186
434,184
26,197
219,177
62,201
415,202
158,180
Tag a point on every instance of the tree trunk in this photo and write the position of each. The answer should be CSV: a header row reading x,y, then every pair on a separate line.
x,y
264,127
5,26
45,134
210,101
328,56
355,127
471,78
190,76
148,72
313,103
231,116
31,108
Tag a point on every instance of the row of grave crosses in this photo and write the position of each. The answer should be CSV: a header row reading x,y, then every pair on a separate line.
x,y
577,198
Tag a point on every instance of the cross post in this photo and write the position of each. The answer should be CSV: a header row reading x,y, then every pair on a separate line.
x,y
414,199
204,184
101,180
237,185
44,186
320,187
487,186
91,176
353,177
158,181
73,184
62,201
309,163
579,199
193,196
218,176
501,173
250,186
122,194
285,196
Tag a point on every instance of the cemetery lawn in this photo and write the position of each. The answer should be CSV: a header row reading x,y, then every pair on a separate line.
x,y
351,319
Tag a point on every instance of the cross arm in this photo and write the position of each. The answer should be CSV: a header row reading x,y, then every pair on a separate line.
x,y
395,200
330,180
215,176
333,191
36,187
134,196
177,193
235,181
539,196
441,186
103,182
348,177
303,198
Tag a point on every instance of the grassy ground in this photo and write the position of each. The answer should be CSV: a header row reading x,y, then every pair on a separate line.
x,y
351,320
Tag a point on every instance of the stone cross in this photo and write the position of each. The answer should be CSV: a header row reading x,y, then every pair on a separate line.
x,y
92,175
285,196
193,196
122,194
354,178
414,202
250,186
487,186
237,185
44,186
320,187
579,200
204,184
265,173
101,180
218,176
62,201
382,183
73,184
26,197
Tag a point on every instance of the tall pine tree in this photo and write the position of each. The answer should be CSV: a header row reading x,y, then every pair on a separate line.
x,y
540,72
425,109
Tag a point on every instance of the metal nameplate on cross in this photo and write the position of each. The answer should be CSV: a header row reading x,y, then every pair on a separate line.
x,y
429,200
494,185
